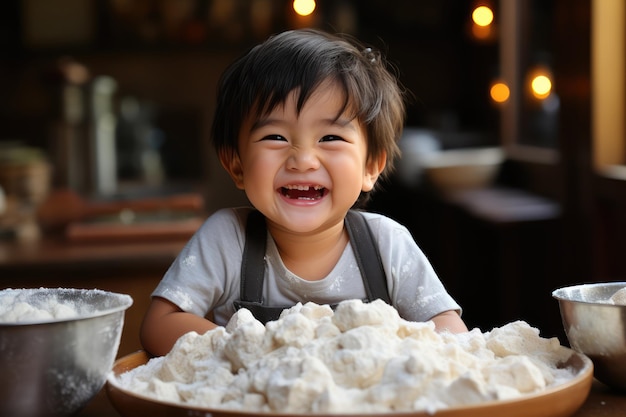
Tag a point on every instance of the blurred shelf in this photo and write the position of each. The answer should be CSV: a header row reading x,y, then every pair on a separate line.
x,y
60,254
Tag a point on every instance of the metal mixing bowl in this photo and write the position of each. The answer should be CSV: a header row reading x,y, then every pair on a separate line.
x,y
54,367
596,328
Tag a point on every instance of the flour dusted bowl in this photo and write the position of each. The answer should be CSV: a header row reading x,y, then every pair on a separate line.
x,y
594,319
558,401
56,348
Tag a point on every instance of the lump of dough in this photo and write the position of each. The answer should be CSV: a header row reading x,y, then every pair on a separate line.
x,y
359,357
517,372
354,313
291,330
519,338
246,343
296,383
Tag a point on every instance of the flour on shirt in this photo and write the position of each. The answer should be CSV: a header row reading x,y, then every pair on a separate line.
x,y
189,261
406,267
335,286
183,299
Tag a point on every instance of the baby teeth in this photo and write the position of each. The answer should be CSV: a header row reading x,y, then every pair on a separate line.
x,y
303,187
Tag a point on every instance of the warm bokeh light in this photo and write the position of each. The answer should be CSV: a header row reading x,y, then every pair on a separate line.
x,y
481,32
499,92
304,7
541,86
482,16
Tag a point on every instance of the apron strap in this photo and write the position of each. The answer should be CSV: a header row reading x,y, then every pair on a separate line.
x,y
367,257
253,264
253,261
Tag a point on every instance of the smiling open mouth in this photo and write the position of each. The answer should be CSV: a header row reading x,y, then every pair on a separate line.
x,y
304,192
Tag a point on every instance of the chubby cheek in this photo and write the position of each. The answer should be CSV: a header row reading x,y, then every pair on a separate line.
x,y
259,175
348,174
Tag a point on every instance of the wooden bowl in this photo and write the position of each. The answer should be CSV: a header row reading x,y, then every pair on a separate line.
x,y
558,401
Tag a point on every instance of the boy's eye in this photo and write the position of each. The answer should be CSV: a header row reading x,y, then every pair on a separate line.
x,y
330,138
274,137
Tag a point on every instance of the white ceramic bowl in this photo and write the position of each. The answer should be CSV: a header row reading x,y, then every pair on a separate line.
x,y
463,168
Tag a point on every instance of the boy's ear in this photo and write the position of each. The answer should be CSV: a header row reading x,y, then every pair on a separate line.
x,y
232,164
373,169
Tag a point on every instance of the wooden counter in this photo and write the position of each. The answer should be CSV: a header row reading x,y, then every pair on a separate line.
x,y
603,402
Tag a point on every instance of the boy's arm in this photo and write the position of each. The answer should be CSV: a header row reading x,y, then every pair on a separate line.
x,y
449,321
164,323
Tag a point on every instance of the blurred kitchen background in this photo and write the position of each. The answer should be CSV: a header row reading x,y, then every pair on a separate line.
x,y
513,176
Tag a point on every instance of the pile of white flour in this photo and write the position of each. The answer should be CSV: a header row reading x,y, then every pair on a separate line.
x,y
33,305
362,358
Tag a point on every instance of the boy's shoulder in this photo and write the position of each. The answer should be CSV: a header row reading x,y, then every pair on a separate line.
x,y
384,227
228,217
232,213
378,218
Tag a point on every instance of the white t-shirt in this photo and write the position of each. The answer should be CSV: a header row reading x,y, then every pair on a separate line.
x,y
206,274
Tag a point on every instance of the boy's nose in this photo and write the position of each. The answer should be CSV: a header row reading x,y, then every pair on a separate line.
x,y
303,159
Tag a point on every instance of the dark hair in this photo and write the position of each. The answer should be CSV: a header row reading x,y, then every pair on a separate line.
x,y
302,59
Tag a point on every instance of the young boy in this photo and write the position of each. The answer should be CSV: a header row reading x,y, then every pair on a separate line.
x,y
306,123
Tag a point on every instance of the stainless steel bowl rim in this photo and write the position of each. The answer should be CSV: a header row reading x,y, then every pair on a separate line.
x,y
561,293
123,302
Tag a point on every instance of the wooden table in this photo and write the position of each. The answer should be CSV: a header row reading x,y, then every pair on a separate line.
x,y
603,402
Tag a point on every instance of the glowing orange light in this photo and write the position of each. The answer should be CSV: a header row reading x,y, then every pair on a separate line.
x,y
304,7
541,86
499,92
482,16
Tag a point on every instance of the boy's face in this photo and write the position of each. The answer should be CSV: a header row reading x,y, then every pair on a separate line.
x,y
304,171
